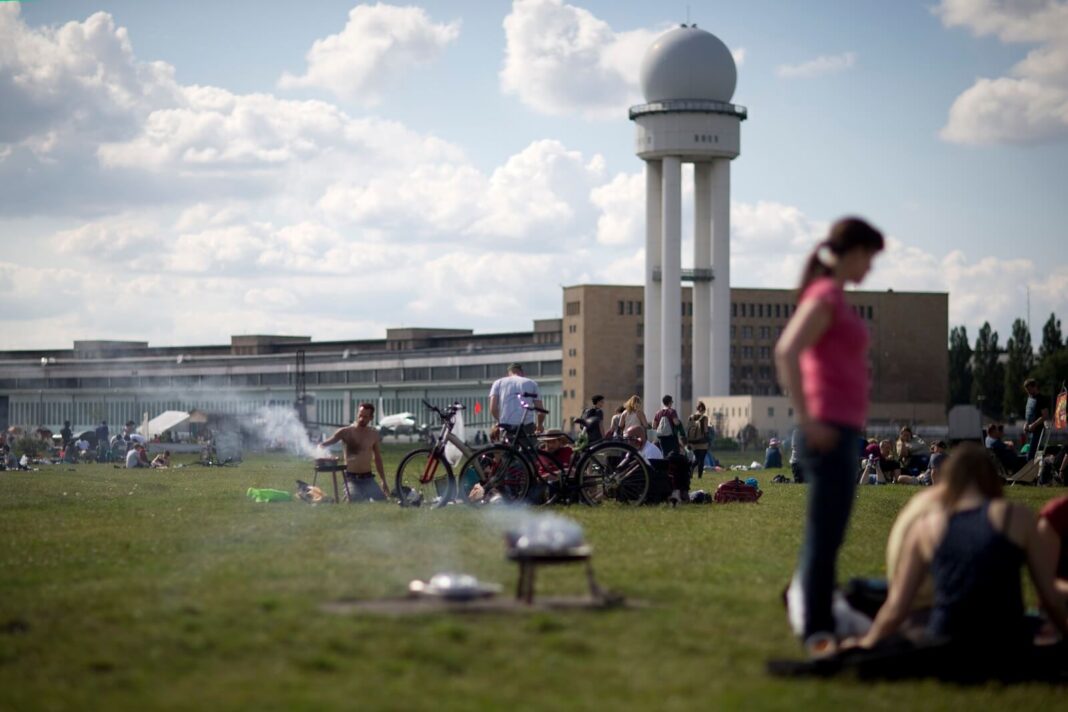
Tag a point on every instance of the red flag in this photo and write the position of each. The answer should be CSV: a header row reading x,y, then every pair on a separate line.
x,y
478,407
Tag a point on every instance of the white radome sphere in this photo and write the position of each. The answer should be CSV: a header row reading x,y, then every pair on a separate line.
x,y
688,63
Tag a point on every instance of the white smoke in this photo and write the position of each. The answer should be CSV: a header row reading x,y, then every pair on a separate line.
x,y
278,427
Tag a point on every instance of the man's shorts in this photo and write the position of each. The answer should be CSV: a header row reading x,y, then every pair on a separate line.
x,y
362,487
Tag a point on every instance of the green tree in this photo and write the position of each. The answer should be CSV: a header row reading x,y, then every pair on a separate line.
x,y
1020,363
1052,373
1052,340
988,375
960,367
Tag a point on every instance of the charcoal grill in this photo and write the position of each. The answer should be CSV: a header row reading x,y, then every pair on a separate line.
x,y
330,465
529,559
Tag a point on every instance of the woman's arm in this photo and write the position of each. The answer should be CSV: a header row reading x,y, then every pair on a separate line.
x,y
643,419
1042,567
912,567
1050,541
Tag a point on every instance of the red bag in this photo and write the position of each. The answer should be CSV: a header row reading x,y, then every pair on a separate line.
x,y
736,491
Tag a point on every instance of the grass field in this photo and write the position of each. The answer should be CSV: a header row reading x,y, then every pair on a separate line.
x,y
171,590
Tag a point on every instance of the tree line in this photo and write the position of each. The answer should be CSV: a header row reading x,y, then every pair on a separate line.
x,y
992,377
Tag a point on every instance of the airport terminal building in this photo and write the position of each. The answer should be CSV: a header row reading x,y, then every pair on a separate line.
x,y
119,381
595,347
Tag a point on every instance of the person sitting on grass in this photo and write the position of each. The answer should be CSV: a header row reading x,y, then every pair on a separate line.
x,y
136,457
675,465
773,455
910,452
973,545
162,461
559,452
887,469
636,436
1003,451
927,477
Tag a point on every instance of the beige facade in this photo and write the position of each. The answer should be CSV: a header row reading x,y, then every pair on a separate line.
x,y
602,348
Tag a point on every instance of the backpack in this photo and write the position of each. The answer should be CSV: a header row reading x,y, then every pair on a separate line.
x,y
664,427
736,491
693,431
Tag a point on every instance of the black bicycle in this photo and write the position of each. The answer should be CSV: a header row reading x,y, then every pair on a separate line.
x,y
518,470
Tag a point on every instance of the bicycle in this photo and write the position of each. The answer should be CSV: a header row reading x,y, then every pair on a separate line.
x,y
607,470
424,475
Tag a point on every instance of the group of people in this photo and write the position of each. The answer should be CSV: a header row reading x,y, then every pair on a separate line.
x,y
690,439
909,461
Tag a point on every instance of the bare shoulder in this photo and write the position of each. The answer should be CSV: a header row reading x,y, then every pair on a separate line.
x,y
929,530
1016,521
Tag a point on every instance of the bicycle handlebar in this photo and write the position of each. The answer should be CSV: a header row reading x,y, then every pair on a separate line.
x,y
448,412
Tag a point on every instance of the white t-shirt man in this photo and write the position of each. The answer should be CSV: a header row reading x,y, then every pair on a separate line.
x,y
133,459
650,451
508,394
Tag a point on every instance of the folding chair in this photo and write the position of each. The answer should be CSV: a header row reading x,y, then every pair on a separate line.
x,y
1028,474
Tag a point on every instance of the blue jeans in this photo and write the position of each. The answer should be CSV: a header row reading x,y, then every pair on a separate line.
x,y
831,478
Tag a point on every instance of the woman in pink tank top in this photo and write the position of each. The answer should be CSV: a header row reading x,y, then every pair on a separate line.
x,y
822,360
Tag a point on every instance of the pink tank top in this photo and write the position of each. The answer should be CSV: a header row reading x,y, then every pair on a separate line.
x,y
834,370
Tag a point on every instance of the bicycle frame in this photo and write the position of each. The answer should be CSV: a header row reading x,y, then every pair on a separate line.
x,y
445,436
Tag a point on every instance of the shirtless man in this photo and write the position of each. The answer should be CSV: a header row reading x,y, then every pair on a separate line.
x,y
359,442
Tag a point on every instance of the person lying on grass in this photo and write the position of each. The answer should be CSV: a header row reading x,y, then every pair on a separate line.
x,y
974,546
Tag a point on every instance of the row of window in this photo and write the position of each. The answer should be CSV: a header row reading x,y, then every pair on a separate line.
x,y
784,311
311,378
763,332
763,372
764,352
634,308
740,412
630,307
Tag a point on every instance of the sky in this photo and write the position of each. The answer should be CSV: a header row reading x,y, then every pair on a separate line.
x,y
181,172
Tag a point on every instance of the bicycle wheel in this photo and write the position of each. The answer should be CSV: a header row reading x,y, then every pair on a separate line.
x,y
493,473
613,471
424,478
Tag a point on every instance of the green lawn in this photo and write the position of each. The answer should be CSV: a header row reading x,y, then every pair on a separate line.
x,y
171,590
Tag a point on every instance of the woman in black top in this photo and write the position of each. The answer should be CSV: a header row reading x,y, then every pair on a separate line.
x,y
974,548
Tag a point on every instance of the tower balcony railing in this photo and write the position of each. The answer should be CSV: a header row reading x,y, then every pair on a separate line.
x,y
698,106
688,275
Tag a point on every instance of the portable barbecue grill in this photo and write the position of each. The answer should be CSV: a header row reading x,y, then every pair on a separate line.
x,y
331,465
534,548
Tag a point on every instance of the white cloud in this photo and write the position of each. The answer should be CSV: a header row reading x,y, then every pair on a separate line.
x,y
378,44
80,77
818,67
120,236
1031,104
251,213
622,205
561,59
541,190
